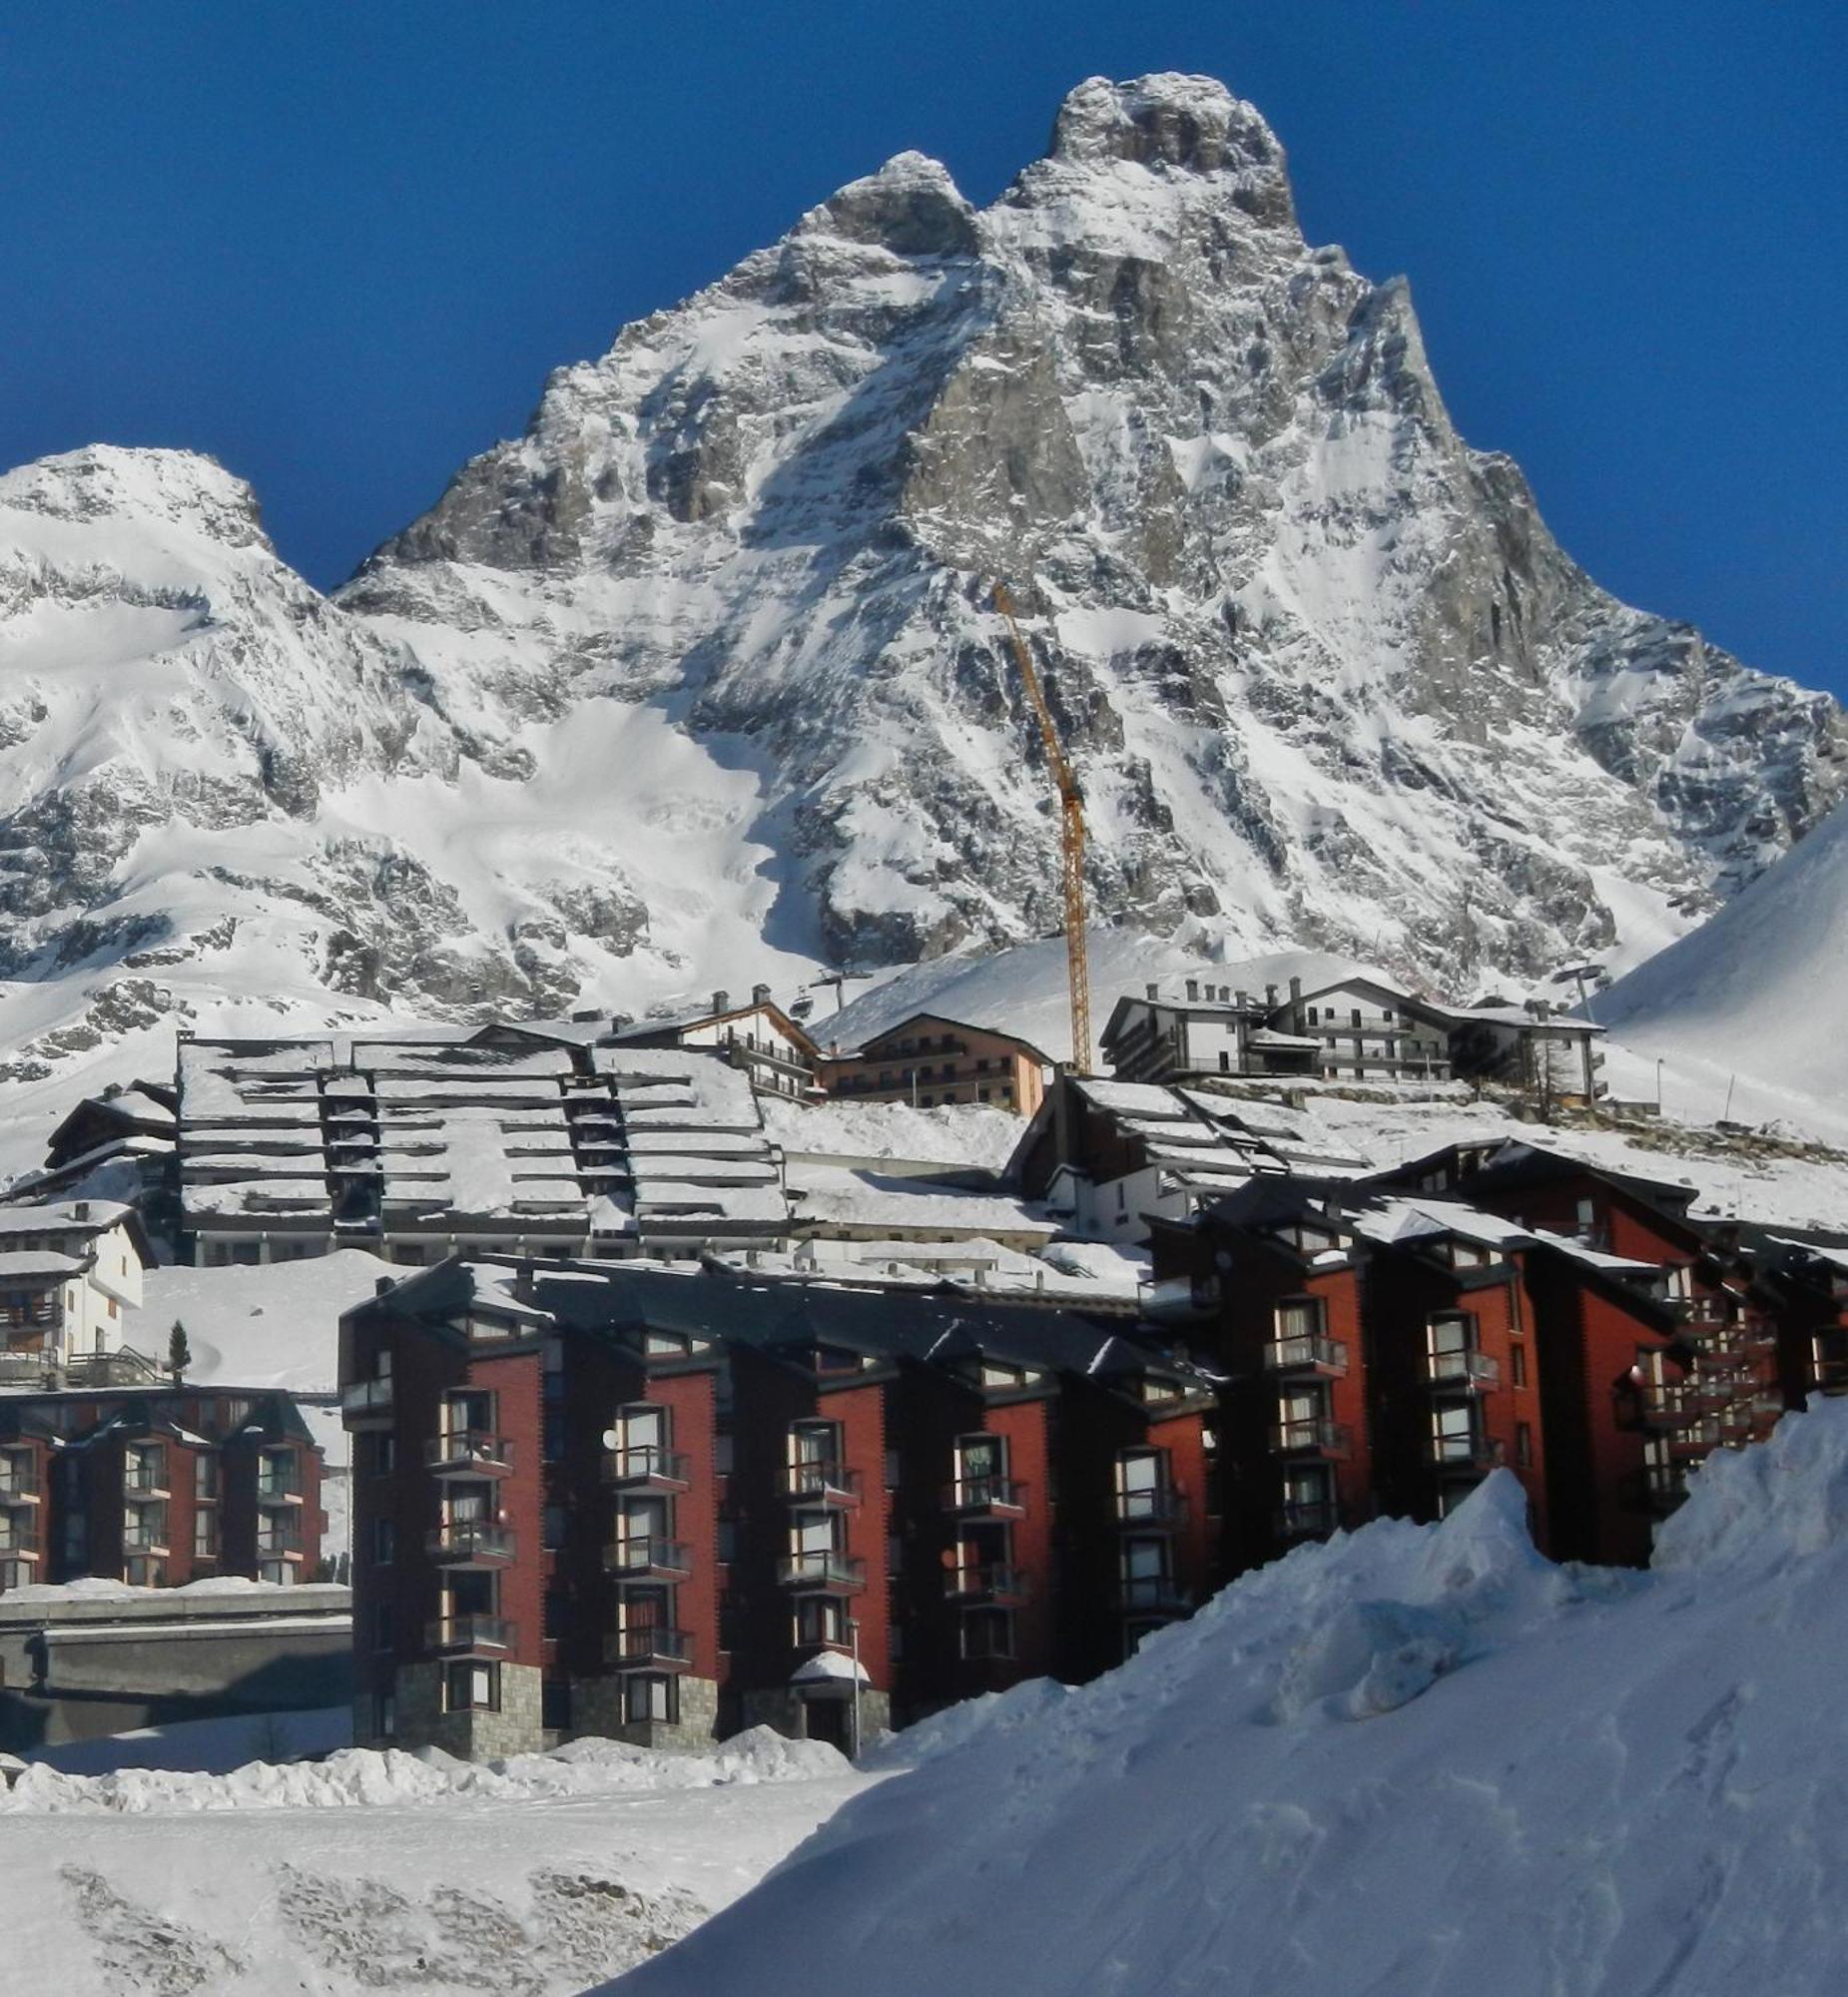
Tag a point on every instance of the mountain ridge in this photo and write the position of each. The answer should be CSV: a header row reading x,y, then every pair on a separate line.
x,y
697,682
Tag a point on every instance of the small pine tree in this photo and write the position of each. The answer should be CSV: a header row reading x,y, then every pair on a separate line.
x,y
179,1353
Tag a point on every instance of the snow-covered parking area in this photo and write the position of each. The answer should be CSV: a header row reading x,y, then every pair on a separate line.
x,y
374,1872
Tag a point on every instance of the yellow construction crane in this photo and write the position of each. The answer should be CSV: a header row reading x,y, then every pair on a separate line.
x,y
1071,839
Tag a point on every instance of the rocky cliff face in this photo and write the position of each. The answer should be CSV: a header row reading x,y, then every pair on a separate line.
x,y
697,680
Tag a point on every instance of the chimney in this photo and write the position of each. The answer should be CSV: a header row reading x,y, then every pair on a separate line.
x,y
760,995
523,1282
1270,997
620,1023
721,1002
385,1285
82,1210
1193,989
1244,999
1154,991
1296,991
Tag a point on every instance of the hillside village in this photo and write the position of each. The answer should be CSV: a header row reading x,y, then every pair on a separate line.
x,y
721,1367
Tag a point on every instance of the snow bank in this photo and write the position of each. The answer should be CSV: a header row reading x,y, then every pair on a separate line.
x,y
363,1776
1411,1759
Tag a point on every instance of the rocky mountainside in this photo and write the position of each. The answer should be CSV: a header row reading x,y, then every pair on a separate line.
x,y
698,681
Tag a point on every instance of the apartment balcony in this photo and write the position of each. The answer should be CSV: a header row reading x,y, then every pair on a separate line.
x,y
469,1453
991,1586
20,1487
1322,1358
470,1636
646,1467
139,1483
644,1558
1662,1406
274,1491
1469,1455
1657,1489
831,1485
1156,1509
1309,1519
1461,1372
648,1650
1829,1374
367,1404
145,1539
1152,1595
471,1543
22,1544
1333,1440
984,1497
821,1574
1698,1439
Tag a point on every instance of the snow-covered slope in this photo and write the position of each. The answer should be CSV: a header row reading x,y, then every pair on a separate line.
x,y
1414,1759
697,683
1754,992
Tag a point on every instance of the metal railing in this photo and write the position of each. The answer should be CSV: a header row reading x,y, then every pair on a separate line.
x,y
470,1632
366,1397
144,1481
652,1645
1308,1353
993,1581
469,1539
1468,1368
820,1481
984,1492
469,1449
1307,1519
1465,1452
1153,1505
641,1553
1313,1437
822,1569
1152,1595
645,1463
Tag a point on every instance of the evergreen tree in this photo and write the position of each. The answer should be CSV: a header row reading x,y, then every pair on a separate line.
x,y
179,1353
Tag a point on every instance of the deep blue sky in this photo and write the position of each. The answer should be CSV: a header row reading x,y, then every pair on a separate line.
x,y
339,245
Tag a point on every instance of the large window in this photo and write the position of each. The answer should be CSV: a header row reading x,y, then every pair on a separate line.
x,y
473,1687
1142,1483
1300,1317
650,1697
820,1619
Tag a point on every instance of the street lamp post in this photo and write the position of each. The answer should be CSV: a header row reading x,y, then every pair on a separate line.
x,y
1658,1085
853,1631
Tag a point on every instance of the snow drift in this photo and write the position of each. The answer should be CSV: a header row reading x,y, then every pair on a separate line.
x,y
1413,1759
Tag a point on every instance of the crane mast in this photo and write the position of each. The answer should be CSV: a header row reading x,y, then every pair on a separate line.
x,y
1071,839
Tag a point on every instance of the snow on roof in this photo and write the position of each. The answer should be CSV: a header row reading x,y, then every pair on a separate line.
x,y
1133,1099
62,1217
828,1668
842,1196
22,1265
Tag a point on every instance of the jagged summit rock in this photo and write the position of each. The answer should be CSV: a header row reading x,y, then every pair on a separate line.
x,y
697,680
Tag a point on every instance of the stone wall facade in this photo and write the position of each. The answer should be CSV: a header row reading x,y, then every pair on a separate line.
x,y
597,1711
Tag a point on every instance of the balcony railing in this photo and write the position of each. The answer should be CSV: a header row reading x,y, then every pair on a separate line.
x,y
994,1583
1314,1436
280,1488
1152,1595
1466,1369
275,1545
834,1573
1656,1488
1327,1357
366,1397
470,1540
651,1648
1465,1452
985,1492
647,1464
1307,1519
470,1632
143,1538
142,1481
23,1543
822,1484
19,1486
642,1553
1663,1404
473,1452
1153,1505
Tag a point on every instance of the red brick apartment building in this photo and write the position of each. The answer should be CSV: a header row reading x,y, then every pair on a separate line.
x,y
158,1488
663,1506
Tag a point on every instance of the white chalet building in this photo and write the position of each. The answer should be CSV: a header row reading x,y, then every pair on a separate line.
x,y
70,1275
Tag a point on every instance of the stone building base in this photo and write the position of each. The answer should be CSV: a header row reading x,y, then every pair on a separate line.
x,y
785,1709
471,1736
597,1709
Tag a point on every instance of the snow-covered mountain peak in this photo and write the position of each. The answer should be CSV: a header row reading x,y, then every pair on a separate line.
x,y
101,482
910,207
1167,119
